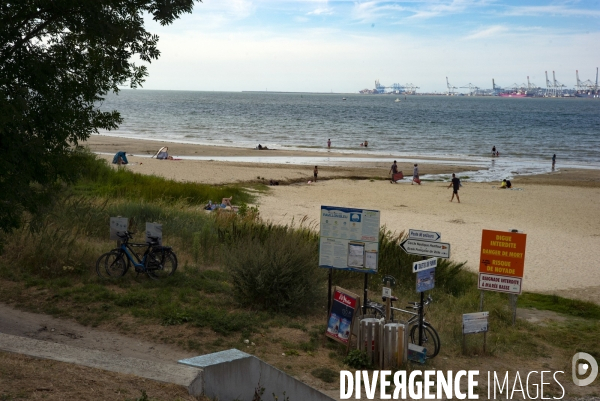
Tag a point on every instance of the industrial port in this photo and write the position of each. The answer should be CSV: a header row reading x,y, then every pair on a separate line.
x,y
553,88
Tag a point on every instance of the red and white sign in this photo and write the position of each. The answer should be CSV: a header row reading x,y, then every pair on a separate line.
x,y
345,299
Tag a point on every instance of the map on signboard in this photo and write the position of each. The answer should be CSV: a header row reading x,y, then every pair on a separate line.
x,y
349,239
475,322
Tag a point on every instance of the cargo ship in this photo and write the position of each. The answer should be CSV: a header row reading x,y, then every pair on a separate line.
x,y
513,94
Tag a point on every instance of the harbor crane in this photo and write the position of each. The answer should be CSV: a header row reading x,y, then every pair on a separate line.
x,y
588,85
496,89
473,90
450,88
395,88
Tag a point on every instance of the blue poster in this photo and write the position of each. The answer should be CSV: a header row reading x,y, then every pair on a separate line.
x,y
426,280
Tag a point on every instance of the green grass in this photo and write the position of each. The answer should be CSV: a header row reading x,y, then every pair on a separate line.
x,y
570,307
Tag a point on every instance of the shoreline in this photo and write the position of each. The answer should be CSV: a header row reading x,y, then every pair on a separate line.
x,y
293,165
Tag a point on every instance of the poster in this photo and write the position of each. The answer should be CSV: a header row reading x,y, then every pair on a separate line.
x,y
426,280
341,315
349,239
118,225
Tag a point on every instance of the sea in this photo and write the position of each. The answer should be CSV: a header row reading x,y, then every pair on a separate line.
x,y
456,130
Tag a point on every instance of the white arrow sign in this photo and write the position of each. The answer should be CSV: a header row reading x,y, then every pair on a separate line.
x,y
424,265
424,235
426,248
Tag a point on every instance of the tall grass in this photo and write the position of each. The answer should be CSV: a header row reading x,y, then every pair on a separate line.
x,y
99,179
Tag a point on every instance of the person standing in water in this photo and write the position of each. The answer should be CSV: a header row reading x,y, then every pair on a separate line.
x,y
329,143
553,161
456,184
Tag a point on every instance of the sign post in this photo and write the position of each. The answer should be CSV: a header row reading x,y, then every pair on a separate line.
x,y
425,243
474,323
501,264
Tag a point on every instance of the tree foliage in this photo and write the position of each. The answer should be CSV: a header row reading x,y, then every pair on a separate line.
x,y
58,58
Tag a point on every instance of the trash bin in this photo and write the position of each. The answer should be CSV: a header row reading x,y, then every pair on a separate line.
x,y
370,338
395,343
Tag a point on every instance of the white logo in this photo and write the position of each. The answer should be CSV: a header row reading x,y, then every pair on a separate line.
x,y
581,368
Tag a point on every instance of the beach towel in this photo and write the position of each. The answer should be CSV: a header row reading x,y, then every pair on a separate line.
x,y
397,176
123,157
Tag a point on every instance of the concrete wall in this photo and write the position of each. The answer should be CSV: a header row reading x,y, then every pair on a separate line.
x,y
235,375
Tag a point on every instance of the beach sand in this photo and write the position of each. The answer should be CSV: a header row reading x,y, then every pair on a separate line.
x,y
559,212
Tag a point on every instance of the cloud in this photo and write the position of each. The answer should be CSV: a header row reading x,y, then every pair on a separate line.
x,y
321,11
551,10
488,32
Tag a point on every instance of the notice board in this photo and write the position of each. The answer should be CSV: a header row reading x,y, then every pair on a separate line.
x,y
349,239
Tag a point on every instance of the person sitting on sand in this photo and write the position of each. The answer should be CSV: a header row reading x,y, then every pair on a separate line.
x,y
164,155
226,202
505,184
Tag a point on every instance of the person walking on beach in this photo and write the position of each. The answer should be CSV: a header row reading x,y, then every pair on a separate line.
x,y
416,175
456,184
553,161
316,173
329,143
393,171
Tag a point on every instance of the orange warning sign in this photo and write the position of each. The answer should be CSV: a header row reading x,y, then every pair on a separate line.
x,y
502,253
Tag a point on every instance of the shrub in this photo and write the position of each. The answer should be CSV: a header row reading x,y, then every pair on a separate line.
x,y
278,273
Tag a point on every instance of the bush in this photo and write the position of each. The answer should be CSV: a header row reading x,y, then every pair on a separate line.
x,y
278,273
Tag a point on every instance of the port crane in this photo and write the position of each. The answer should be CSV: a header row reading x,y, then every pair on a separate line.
x,y
450,88
395,88
588,85
473,90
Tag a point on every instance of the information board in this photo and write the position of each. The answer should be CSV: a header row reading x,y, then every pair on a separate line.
x,y
502,261
475,322
341,315
349,239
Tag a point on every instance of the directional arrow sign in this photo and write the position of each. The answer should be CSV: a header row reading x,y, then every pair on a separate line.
x,y
424,235
426,248
424,265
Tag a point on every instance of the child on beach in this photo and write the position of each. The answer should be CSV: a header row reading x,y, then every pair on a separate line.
x,y
315,173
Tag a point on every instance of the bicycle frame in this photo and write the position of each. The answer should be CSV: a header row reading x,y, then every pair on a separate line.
x,y
137,262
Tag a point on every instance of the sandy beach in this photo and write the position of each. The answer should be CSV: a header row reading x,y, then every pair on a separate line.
x,y
559,211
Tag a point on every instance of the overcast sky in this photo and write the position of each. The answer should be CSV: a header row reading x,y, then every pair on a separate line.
x,y
344,46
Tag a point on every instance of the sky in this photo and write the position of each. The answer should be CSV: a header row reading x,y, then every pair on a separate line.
x,y
344,46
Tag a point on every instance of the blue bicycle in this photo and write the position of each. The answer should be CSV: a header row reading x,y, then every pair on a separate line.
x,y
157,261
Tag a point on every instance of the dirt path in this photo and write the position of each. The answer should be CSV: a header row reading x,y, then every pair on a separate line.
x,y
48,328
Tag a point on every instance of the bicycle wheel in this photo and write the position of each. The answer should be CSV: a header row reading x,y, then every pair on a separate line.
x,y
160,264
431,340
111,264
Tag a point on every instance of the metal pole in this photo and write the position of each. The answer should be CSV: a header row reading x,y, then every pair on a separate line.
x,y
421,319
481,294
329,291
365,293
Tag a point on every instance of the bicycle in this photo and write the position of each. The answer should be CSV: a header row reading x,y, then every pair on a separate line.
x,y
430,335
157,261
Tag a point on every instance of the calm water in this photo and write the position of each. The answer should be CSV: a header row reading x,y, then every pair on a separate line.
x,y
525,131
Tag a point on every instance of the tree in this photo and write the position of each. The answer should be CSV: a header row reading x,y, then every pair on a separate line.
x,y
58,58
